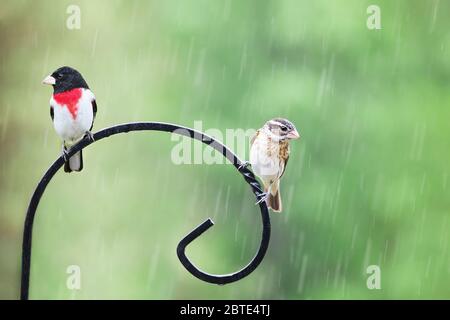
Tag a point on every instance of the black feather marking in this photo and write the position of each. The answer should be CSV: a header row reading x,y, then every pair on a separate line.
x,y
67,79
52,113
94,110
94,107
285,122
67,167
81,160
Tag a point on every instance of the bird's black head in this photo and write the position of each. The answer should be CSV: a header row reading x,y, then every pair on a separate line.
x,y
64,79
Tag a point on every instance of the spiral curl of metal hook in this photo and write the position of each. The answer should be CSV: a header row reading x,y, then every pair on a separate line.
x,y
248,175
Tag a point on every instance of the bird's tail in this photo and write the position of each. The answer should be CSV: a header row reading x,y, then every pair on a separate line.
x,y
274,199
75,163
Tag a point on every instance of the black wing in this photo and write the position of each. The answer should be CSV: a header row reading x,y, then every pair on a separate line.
x,y
94,110
52,113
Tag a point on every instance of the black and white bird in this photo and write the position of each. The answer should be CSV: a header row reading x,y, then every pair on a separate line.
x,y
269,155
72,109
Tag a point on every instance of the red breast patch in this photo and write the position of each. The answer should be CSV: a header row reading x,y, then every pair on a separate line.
x,y
70,100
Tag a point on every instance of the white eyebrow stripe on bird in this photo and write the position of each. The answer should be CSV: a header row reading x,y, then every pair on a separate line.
x,y
276,123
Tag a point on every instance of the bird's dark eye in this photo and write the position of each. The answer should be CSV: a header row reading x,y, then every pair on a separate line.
x,y
59,75
284,129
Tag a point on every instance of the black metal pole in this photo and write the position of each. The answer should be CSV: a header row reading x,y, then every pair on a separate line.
x,y
153,126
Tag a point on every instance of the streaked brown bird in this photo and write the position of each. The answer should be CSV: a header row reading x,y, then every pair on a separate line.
x,y
269,155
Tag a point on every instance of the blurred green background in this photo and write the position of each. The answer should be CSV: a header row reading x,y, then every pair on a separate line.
x,y
366,185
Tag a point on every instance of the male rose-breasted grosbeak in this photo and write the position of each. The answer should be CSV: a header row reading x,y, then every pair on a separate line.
x,y
72,109
269,155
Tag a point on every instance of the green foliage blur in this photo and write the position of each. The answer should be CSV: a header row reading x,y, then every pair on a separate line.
x,y
366,185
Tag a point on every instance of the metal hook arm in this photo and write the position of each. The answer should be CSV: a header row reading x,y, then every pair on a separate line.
x,y
254,263
151,126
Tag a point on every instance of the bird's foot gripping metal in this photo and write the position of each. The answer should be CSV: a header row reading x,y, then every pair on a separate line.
x,y
90,136
65,154
262,197
244,165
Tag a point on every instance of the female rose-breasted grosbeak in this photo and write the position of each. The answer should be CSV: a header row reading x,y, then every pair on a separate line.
x,y
269,155
72,109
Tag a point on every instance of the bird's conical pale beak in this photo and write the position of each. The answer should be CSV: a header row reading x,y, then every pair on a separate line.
x,y
293,134
49,80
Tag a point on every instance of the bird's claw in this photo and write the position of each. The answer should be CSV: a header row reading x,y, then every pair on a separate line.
x,y
65,155
262,197
244,164
90,136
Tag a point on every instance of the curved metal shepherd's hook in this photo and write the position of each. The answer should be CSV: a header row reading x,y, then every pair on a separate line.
x,y
167,127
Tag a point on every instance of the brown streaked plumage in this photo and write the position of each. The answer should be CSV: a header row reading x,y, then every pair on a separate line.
x,y
269,155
